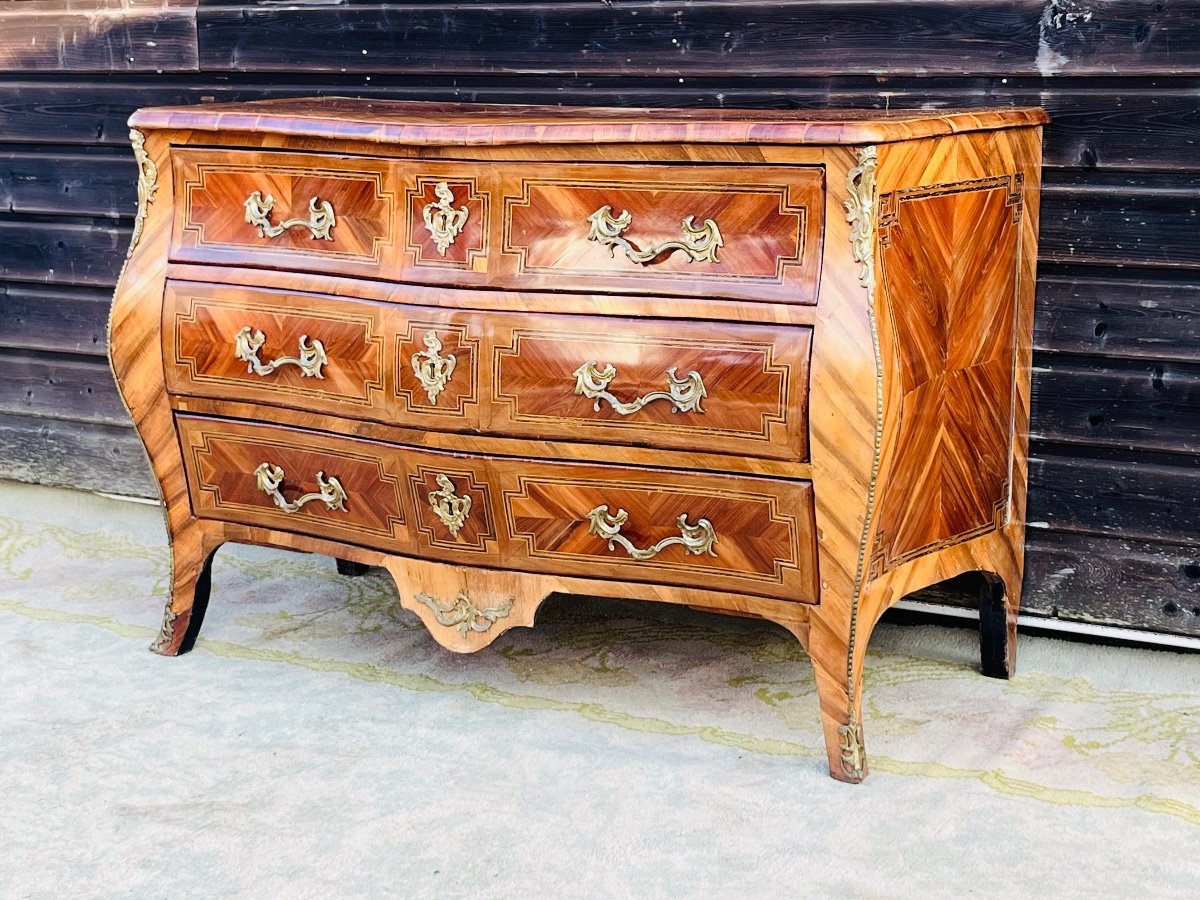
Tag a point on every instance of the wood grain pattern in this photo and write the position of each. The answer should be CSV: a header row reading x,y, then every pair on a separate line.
x,y
221,459
764,529
769,219
756,381
214,186
955,353
472,124
794,539
766,37
201,323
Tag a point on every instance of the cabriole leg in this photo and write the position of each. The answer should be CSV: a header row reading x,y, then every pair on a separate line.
x,y
841,703
192,551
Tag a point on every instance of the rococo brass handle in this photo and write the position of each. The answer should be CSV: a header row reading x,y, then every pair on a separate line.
x,y
247,343
684,394
319,222
696,539
700,243
269,478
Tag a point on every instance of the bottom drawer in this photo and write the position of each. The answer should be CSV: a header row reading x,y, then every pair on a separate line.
x,y
744,534
294,480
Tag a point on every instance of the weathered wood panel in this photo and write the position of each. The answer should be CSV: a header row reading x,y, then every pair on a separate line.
x,y
706,37
1129,498
1118,319
1133,406
98,35
1107,581
65,251
1142,318
67,387
85,455
59,181
1115,581
1122,123
1131,220
68,320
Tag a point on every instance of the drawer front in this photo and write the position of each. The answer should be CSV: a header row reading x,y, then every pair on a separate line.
x,y
396,364
273,347
676,385
747,232
714,531
294,481
285,210
740,533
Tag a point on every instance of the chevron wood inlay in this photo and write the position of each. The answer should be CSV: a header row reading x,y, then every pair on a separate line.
x,y
221,459
203,321
470,244
755,379
956,357
212,227
769,220
851,343
764,529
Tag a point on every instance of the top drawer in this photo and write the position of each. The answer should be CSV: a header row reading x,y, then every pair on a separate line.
x,y
748,232
285,211
751,232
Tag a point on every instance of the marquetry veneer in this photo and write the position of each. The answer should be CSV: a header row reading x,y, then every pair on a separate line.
x,y
763,363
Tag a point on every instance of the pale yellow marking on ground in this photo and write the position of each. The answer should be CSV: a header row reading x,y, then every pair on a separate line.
x,y
994,779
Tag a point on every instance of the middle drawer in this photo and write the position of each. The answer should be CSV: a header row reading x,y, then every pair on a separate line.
x,y
669,384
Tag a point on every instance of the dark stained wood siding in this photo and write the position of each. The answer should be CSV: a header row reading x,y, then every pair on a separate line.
x,y
1115,493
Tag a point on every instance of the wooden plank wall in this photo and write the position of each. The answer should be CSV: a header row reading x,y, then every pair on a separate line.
x,y
1116,470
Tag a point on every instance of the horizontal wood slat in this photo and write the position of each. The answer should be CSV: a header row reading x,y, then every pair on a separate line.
x,y
98,36
62,251
68,183
786,37
73,387
1146,318
1132,406
1143,220
1102,580
1130,499
42,317
84,455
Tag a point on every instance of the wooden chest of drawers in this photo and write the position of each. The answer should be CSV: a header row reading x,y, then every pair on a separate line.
x,y
765,363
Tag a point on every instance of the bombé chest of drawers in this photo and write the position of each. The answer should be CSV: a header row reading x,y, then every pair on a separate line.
x,y
765,363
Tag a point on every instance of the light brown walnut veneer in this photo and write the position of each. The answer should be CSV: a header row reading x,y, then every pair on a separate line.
x,y
764,363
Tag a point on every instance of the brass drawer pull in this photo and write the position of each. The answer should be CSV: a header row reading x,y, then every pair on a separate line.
x,y
696,539
331,492
432,369
684,394
320,217
442,220
247,343
451,509
698,243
